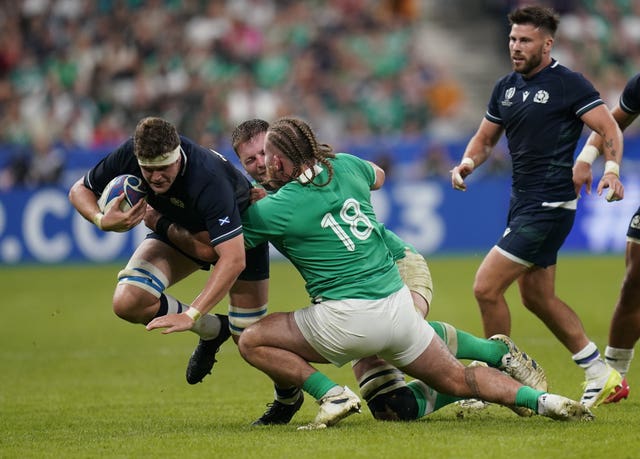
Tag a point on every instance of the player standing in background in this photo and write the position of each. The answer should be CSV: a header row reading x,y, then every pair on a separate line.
x,y
204,192
542,107
624,330
322,220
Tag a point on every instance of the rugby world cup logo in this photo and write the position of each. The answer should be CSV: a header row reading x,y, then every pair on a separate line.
x,y
508,95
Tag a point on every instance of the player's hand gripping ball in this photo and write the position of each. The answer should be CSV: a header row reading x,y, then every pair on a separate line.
x,y
131,186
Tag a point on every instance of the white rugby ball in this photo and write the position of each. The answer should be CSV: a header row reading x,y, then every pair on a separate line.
x,y
131,186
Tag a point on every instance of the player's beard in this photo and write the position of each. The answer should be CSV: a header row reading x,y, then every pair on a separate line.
x,y
528,65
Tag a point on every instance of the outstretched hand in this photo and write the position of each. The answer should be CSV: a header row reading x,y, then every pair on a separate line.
x,y
172,323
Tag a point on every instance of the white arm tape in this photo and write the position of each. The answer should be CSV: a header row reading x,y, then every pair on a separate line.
x,y
612,167
193,313
468,161
588,154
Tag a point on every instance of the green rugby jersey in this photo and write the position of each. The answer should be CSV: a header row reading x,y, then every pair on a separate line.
x,y
396,245
329,233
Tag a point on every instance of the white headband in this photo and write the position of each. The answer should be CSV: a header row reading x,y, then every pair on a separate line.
x,y
165,159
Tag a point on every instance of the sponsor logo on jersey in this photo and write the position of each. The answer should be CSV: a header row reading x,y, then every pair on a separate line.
x,y
635,222
525,95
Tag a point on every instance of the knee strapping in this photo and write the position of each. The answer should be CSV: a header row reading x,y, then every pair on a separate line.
x,y
380,380
144,275
241,318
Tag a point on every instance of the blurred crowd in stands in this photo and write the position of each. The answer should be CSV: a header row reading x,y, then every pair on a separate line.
x,y
77,75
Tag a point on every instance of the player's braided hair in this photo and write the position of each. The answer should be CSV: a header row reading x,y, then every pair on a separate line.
x,y
295,139
539,16
154,137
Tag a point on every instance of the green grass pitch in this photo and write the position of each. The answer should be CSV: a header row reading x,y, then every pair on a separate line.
x,y
76,381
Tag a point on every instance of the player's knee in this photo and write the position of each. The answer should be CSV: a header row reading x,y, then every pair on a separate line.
x,y
247,342
481,291
140,285
128,310
397,405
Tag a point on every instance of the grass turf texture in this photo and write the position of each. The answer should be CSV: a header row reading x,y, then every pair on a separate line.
x,y
76,381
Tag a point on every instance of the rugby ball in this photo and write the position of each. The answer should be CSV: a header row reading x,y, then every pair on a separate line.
x,y
131,186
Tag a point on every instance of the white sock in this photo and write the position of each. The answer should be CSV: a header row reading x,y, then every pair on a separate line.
x,y
590,360
619,358
174,306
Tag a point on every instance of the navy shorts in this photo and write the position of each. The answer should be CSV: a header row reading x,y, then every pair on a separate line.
x,y
634,226
256,260
534,232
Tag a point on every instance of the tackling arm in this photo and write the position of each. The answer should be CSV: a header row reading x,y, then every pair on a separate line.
x,y
230,260
196,245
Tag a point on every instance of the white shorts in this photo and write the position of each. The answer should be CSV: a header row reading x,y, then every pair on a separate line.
x,y
345,330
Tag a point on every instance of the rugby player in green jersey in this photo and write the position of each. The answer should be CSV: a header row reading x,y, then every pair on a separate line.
x,y
322,220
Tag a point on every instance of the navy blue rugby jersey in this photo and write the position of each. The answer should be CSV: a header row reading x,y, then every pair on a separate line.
x,y
630,98
541,118
209,193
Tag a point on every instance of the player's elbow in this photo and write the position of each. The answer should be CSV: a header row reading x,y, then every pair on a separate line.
x,y
74,191
207,254
235,262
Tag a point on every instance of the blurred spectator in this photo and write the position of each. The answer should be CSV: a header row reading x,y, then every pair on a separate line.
x,y
437,162
108,63
355,69
41,164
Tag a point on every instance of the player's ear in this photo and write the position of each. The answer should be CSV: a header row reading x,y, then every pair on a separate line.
x,y
277,163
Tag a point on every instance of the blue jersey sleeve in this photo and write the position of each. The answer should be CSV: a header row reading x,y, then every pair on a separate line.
x,y
581,94
630,98
493,110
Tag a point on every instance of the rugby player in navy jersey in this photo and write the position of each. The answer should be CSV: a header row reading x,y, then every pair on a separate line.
x,y
624,330
541,107
199,189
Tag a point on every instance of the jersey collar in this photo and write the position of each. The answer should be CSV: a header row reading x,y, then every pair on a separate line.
x,y
310,173
184,161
